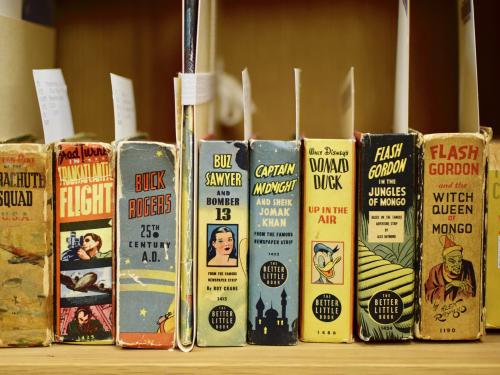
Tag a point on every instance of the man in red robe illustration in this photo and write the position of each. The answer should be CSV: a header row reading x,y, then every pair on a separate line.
x,y
452,279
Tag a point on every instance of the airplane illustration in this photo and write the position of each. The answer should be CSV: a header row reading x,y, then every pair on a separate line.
x,y
21,255
84,284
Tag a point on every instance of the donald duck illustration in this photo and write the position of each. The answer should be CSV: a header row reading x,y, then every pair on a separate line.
x,y
324,260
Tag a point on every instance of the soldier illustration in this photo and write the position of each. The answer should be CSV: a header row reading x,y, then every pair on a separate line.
x,y
324,260
453,278
86,248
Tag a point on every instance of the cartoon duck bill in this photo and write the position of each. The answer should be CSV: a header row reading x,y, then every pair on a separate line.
x,y
327,263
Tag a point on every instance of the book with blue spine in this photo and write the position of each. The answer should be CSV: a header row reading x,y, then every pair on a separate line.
x,y
273,303
146,244
222,243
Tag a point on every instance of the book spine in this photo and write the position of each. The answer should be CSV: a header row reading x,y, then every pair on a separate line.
x,y
186,295
146,244
274,242
222,243
84,189
25,245
451,262
493,239
386,237
329,182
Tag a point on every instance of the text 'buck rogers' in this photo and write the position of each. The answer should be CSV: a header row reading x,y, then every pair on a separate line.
x,y
153,205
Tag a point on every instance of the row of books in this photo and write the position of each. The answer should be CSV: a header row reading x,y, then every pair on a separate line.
x,y
220,243
418,256
419,246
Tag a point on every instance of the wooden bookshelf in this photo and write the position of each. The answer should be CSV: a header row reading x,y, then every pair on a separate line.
x,y
412,357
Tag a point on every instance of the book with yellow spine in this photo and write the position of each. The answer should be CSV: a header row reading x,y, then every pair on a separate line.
x,y
493,238
25,245
451,205
328,240
451,238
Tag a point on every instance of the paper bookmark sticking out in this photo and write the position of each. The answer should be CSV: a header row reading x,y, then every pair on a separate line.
x,y
12,8
402,85
54,105
468,102
124,107
346,104
197,88
247,104
297,72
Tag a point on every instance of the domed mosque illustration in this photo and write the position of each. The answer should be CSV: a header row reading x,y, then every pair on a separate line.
x,y
270,328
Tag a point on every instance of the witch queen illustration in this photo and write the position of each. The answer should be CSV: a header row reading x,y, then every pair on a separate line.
x,y
453,278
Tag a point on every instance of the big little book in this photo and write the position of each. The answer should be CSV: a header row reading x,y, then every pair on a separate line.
x,y
452,179
493,238
222,243
146,237
386,236
328,228
451,240
273,303
84,215
387,214
328,240
25,245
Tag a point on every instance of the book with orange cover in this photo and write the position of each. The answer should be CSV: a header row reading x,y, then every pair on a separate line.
x,y
84,251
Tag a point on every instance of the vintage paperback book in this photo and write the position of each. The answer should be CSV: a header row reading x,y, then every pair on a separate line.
x,y
84,210
222,243
146,238
328,228
386,236
273,275
452,178
25,245
493,239
329,188
386,215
